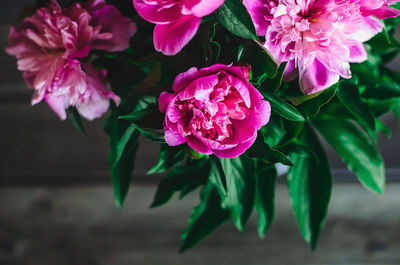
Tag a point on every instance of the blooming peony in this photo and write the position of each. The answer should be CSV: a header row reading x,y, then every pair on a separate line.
x,y
51,47
176,21
215,110
318,38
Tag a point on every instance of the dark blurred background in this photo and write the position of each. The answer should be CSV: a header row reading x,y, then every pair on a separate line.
x,y
56,201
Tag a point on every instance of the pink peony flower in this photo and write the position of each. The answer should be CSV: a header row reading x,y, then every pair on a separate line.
x,y
215,110
51,47
176,21
318,39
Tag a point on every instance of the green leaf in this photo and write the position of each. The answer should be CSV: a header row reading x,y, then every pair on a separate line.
x,y
281,107
169,157
181,178
356,151
265,196
124,142
235,18
310,185
381,127
76,119
262,151
217,176
263,59
351,99
240,182
205,218
121,162
382,106
312,107
148,121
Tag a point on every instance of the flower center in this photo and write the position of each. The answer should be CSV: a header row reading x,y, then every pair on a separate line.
x,y
212,117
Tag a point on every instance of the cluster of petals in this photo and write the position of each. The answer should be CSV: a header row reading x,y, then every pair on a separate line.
x,y
318,38
215,110
177,21
52,49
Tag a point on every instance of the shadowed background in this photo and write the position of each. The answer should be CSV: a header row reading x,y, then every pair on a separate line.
x,y
56,202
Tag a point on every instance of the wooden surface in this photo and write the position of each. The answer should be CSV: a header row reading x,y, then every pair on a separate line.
x,y
81,226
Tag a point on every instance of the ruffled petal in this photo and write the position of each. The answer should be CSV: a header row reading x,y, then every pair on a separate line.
x,y
258,12
155,14
201,8
57,104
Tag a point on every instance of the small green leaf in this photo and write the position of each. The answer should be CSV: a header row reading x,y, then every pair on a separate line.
x,y
262,151
121,170
217,176
235,18
356,151
351,99
76,119
381,127
310,185
182,178
281,107
265,196
169,157
312,107
205,218
240,182
124,142
382,106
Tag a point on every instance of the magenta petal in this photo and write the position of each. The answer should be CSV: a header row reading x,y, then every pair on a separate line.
x,y
291,72
264,108
57,104
121,28
368,29
203,7
173,138
153,13
184,79
358,53
236,151
316,77
171,38
258,11
201,88
163,101
385,12
197,145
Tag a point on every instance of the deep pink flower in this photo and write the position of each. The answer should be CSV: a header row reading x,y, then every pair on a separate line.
x,y
176,21
51,47
318,38
215,110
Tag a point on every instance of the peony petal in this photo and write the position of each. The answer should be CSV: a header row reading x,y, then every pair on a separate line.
x,y
184,79
173,138
200,88
171,38
121,28
316,78
291,72
258,11
203,7
236,151
368,29
57,104
358,54
153,13
164,100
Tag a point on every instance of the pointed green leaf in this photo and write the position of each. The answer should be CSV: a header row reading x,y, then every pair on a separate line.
x,y
355,149
121,170
205,218
169,157
217,176
351,99
182,178
310,185
281,107
312,107
235,18
262,151
76,119
265,196
240,182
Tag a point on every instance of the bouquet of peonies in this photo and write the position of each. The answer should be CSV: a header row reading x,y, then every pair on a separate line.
x,y
230,89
